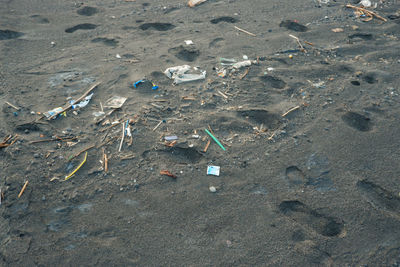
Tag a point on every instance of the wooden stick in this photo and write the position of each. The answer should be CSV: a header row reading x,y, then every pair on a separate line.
x,y
290,110
54,139
249,33
155,128
77,101
366,11
222,94
80,152
109,127
123,137
245,74
105,162
207,145
298,42
23,189
11,105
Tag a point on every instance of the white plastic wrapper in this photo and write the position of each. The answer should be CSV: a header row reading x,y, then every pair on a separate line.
x,y
179,75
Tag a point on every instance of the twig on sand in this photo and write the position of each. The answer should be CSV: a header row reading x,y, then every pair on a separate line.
x,y
105,158
23,189
8,138
80,152
11,105
168,173
222,94
367,12
207,145
249,33
245,74
76,101
290,110
155,128
298,42
53,139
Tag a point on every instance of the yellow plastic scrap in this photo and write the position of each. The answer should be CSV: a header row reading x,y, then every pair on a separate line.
x,y
77,168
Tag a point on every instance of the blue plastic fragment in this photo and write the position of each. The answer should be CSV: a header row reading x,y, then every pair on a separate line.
x,y
154,87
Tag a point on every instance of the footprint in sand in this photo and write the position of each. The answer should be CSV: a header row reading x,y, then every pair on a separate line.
x,y
357,121
379,197
304,215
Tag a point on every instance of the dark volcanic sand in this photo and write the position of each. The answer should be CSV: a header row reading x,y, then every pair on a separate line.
x,y
318,187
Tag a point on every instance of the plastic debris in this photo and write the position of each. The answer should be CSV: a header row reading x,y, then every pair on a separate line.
x,y
221,72
179,74
213,170
98,113
215,139
189,42
365,3
193,3
81,104
227,61
115,102
212,189
77,168
171,138
242,64
136,84
53,112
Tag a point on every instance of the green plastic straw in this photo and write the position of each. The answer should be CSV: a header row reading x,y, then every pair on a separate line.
x,y
215,139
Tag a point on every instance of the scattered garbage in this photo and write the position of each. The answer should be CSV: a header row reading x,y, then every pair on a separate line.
x,y
337,30
193,3
98,113
215,139
212,189
213,170
227,61
189,42
115,102
170,138
364,13
51,114
136,84
54,112
77,168
366,3
242,64
168,173
179,75
81,104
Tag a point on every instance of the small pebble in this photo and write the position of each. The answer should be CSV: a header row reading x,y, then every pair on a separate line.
x,y
213,189
36,155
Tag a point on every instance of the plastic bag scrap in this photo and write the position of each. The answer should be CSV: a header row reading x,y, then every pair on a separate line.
x,y
179,75
115,102
81,104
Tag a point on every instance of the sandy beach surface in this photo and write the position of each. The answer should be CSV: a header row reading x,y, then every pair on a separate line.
x,y
310,127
